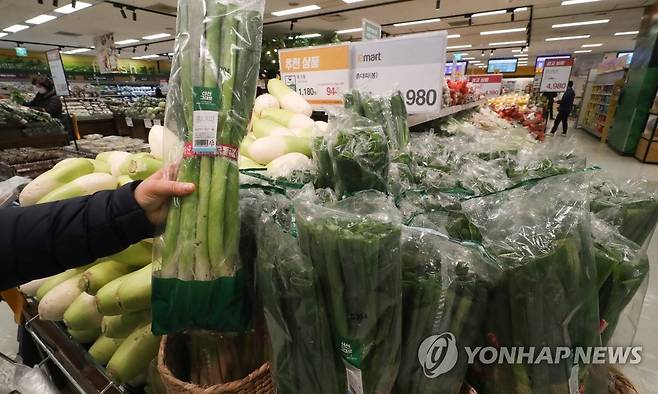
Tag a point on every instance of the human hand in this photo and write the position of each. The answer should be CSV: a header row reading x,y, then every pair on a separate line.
x,y
154,193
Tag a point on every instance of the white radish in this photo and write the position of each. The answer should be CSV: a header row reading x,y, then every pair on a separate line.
x,y
288,118
265,101
266,149
82,314
162,142
285,165
83,186
53,305
321,127
116,162
288,99
53,179
267,127
30,288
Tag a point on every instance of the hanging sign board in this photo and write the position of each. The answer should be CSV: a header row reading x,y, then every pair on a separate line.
x,y
371,30
319,74
407,63
106,53
556,75
57,72
489,85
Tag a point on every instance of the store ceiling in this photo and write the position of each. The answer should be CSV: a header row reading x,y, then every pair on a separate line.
x,y
78,29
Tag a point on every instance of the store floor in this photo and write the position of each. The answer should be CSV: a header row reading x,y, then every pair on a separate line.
x,y
646,374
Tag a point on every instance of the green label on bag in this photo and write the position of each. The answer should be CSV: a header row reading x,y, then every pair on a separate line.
x,y
206,99
351,350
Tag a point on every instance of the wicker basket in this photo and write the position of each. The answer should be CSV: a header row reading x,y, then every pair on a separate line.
x,y
257,382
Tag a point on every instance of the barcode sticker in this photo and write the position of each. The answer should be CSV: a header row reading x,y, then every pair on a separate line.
x,y
205,131
354,379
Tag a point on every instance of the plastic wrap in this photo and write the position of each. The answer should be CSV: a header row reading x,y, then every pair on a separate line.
x,y
444,290
354,245
303,356
198,280
359,154
548,295
10,188
544,160
630,205
388,111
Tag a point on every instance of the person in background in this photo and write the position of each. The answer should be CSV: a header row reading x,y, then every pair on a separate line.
x,y
46,99
550,96
158,93
564,109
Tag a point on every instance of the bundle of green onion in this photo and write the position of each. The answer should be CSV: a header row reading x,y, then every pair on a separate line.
x,y
213,83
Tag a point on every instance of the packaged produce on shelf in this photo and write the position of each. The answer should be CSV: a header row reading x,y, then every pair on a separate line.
x,y
515,107
199,281
30,121
458,92
146,108
89,108
93,144
387,111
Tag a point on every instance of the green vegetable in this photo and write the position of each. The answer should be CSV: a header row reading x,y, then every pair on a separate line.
x,y
103,349
82,313
134,355
138,254
51,180
101,274
120,326
55,280
85,336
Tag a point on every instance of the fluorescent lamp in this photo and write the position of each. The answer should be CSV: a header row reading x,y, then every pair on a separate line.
x,y
128,41
583,51
572,2
627,33
79,50
68,9
488,13
468,58
310,35
351,1
584,23
591,45
516,51
420,22
37,20
156,36
145,57
460,46
568,38
297,10
454,35
507,43
460,54
521,9
503,31
520,55
3,34
346,31
15,28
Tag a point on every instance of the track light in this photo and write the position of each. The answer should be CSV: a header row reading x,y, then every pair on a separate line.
x,y
55,3
146,47
483,52
123,13
134,16
492,51
134,49
40,1
73,3
119,51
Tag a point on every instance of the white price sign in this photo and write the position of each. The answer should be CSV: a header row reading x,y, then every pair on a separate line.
x,y
556,75
320,74
129,122
156,122
489,85
412,64
148,123
57,72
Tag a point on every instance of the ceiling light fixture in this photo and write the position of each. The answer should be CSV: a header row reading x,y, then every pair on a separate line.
x,y
627,33
591,45
134,16
468,58
517,50
420,22
521,55
352,1
134,49
78,50
460,54
123,13
491,53
156,36
55,3
583,51
502,31
16,28
146,47
146,57
489,13
521,9
69,9
128,41
572,2
483,52
459,46
310,35
3,34
507,43
454,35
584,23
347,31
40,1
297,10
37,20
73,3
568,38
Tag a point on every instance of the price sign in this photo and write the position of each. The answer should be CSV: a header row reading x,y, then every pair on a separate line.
x,y
489,85
129,122
148,123
556,75
407,63
57,72
156,122
320,74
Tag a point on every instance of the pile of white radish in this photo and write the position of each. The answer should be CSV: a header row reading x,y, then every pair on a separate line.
x,y
107,303
77,177
281,132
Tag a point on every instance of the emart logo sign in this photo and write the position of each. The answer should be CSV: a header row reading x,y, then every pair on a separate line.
x,y
369,57
438,355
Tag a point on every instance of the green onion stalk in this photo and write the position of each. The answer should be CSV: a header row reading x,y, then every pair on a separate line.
x,y
200,284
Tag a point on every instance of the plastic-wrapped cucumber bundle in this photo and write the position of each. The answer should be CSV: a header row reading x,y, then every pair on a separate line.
x,y
388,111
359,154
544,160
354,245
444,292
623,270
199,282
631,205
322,161
548,294
482,176
303,356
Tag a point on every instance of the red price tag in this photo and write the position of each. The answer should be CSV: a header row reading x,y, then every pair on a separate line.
x,y
332,91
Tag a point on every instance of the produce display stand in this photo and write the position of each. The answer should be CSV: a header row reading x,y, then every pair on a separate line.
x,y
428,117
69,357
104,126
13,137
647,147
138,129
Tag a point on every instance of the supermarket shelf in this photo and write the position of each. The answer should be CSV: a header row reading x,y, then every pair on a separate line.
x,y
591,131
422,118
602,94
598,103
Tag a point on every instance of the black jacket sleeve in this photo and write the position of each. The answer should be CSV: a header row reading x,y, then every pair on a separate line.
x,y
46,239
53,106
